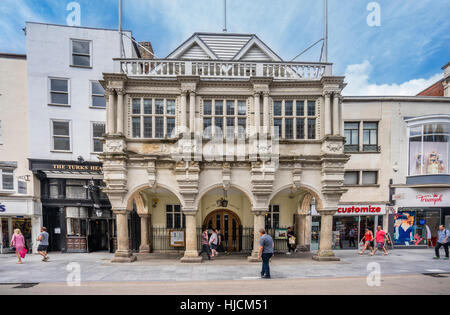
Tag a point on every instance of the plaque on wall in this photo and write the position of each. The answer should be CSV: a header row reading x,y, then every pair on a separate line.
x,y
176,238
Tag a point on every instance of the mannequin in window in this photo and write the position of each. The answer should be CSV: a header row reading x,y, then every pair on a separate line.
x,y
419,163
434,167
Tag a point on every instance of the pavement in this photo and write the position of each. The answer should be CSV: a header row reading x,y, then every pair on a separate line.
x,y
97,268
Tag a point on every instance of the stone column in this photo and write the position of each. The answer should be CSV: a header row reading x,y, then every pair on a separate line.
x,y
183,109
191,252
266,113
110,108
327,121
123,253
259,222
145,244
325,252
336,116
192,111
120,111
301,232
257,112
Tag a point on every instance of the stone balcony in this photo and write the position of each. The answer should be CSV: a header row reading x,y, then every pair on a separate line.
x,y
228,70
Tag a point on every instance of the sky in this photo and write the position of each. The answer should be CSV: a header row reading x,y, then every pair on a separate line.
x,y
400,55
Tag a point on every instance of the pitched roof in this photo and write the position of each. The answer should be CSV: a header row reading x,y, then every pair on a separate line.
x,y
224,46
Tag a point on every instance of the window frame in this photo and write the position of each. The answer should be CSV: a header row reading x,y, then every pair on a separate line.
x,y
360,177
225,117
9,171
72,64
91,82
52,149
365,147
296,117
270,215
142,115
96,138
173,212
50,103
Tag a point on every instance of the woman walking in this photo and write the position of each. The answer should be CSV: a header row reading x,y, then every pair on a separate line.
x,y
18,241
368,240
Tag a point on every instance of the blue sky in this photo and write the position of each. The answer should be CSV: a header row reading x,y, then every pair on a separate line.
x,y
401,56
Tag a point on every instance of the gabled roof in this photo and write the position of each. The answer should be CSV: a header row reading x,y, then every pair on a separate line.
x,y
224,46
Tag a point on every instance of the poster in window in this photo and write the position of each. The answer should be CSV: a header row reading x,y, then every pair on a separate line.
x,y
404,227
281,234
176,238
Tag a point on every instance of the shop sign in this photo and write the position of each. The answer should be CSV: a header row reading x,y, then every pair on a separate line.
x,y
2,208
361,210
16,207
424,197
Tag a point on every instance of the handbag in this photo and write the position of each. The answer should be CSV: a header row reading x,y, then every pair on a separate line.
x,y
292,240
23,252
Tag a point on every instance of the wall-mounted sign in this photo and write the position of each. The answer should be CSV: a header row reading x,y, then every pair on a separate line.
x,y
281,234
176,238
2,208
424,197
57,231
67,166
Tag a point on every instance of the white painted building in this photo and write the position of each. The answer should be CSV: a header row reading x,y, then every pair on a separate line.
x,y
18,207
66,125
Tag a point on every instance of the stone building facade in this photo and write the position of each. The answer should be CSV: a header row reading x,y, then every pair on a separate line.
x,y
222,133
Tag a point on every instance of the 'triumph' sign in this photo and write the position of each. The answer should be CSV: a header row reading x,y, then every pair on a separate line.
x,y
430,198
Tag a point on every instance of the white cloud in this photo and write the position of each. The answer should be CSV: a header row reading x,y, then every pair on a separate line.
x,y
358,78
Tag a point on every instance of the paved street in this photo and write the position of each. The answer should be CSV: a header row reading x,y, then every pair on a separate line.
x,y
163,274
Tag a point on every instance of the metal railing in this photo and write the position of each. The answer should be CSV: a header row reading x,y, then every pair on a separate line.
x,y
222,69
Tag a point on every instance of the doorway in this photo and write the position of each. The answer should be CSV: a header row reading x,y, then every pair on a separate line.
x,y
98,236
229,225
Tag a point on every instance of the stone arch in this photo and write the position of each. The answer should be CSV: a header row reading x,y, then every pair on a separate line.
x,y
310,190
207,189
134,194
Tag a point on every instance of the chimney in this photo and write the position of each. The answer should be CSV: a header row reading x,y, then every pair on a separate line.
x,y
446,82
145,52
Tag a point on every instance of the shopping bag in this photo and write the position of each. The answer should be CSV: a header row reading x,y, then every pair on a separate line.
x,y
292,240
23,252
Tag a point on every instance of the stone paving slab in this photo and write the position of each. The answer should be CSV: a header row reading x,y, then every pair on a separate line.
x,y
96,267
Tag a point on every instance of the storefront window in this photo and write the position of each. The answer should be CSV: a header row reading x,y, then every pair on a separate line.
x,y
75,189
429,149
76,221
416,226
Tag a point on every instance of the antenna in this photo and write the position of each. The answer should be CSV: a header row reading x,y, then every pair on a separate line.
x,y
325,31
120,30
224,15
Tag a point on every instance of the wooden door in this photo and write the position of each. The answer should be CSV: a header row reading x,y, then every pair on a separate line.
x,y
229,225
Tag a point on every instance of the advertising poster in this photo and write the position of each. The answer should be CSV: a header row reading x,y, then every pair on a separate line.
x,y
281,234
404,227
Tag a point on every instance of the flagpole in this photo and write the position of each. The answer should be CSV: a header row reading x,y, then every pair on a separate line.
x,y
120,29
224,15
325,32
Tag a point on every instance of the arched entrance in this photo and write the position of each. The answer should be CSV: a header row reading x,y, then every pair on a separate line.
x,y
230,227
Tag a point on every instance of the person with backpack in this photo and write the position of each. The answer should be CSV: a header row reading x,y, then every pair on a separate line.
x,y
205,243
443,240
368,241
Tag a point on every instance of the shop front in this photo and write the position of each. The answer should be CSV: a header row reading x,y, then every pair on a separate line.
x,y
349,224
76,213
19,213
419,212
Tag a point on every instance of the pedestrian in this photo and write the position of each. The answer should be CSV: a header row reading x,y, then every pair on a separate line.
x,y
290,240
368,241
18,242
219,241
351,237
265,252
380,238
43,244
205,243
213,241
443,240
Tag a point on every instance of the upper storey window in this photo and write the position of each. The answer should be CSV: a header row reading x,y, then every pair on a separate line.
x,y
295,119
81,53
224,118
153,118
429,148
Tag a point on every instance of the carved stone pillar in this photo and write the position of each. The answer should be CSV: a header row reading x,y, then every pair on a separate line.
x,y
191,253
325,252
145,244
257,112
123,253
258,223
302,232
120,111
336,115
183,109
266,113
327,121
192,111
110,108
